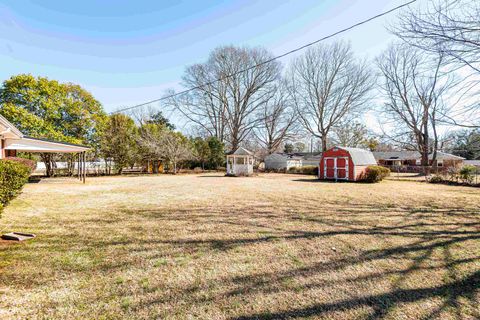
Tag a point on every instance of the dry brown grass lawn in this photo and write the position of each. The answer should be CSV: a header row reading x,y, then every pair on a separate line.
x,y
269,247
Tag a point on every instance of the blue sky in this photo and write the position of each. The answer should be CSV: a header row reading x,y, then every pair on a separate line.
x,y
127,52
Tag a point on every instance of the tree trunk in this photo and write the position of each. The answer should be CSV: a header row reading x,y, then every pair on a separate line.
x,y
324,142
70,165
47,160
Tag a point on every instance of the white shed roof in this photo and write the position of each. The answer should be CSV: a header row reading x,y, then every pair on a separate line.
x,y
360,157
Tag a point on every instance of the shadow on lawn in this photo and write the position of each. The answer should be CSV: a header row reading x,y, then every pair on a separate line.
x,y
428,236
422,240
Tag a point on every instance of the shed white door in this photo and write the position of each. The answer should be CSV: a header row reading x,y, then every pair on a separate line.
x,y
336,168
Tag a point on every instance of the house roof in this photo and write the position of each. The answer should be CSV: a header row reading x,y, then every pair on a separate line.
x,y
360,157
284,156
296,155
412,155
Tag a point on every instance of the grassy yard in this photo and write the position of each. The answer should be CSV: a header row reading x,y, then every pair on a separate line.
x,y
269,247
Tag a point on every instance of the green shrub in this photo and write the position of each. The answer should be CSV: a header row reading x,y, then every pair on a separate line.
x,y
375,174
467,173
13,175
309,170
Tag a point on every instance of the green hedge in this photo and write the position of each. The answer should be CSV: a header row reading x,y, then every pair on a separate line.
x,y
31,164
13,175
375,174
310,170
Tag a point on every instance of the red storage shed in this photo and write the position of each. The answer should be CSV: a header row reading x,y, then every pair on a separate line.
x,y
342,163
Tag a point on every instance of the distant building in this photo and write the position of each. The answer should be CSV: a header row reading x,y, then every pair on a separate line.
x,y
285,161
475,163
280,161
411,160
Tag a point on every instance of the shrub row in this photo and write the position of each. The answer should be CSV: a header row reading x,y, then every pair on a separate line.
x,y
465,175
13,175
375,174
310,170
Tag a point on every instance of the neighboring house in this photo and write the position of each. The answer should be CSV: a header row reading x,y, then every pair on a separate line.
x,y
240,162
343,163
280,161
475,163
411,160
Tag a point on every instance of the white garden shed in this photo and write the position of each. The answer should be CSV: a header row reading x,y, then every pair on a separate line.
x,y
277,161
240,162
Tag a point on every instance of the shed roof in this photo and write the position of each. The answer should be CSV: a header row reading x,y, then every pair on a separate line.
x,y
360,157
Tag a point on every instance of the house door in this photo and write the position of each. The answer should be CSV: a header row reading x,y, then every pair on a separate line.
x,y
336,168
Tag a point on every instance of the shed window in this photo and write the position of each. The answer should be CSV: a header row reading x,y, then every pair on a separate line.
x,y
240,161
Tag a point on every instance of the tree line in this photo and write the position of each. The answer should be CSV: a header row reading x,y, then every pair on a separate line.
x,y
425,80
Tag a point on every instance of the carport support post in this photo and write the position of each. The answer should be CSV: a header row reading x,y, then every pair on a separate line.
x,y
84,166
78,166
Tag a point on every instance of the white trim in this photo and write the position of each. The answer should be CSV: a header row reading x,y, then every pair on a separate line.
x,y
335,168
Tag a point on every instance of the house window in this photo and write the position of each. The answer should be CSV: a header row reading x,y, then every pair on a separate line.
x,y
240,160
250,161
439,163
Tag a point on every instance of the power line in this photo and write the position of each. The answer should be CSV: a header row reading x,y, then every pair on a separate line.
x,y
269,60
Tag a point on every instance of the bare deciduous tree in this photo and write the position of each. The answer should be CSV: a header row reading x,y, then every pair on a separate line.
x,y
227,108
278,119
445,27
450,29
328,84
414,90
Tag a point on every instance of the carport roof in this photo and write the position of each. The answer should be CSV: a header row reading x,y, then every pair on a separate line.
x,y
29,144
